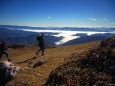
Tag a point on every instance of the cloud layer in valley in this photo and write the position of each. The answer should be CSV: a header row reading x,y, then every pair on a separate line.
x,y
67,35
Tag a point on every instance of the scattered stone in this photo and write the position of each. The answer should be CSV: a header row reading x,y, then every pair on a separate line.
x,y
39,75
26,68
112,69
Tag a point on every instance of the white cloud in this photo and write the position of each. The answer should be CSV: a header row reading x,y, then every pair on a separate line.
x,y
49,17
67,35
101,19
93,19
104,19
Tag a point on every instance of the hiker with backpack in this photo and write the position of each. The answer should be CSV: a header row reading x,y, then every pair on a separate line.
x,y
40,40
3,50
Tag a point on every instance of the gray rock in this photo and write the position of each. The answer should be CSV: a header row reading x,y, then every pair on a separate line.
x,y
112,69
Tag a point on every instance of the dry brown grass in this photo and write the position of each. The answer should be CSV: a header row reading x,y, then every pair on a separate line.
x,y
91,67
52,59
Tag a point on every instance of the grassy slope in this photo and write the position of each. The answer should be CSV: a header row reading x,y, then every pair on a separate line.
x,y
88,68
52,59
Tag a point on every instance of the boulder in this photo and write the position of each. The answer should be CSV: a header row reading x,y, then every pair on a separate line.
x,y
7,72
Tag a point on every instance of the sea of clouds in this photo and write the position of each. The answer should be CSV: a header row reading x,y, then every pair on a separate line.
x,y
67,34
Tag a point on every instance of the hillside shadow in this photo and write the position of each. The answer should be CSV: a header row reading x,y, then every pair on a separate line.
x,y
39,63
28,60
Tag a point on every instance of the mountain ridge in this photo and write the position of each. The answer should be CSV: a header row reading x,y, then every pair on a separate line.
x,y
48,27
24,37
34,74
53,58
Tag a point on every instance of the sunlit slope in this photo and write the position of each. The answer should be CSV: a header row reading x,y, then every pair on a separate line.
x,y
92,67
25,58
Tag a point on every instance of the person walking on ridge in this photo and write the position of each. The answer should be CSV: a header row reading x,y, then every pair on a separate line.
x,y
3,50
40,40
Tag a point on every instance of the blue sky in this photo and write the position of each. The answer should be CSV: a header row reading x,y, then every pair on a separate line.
x,y
58,13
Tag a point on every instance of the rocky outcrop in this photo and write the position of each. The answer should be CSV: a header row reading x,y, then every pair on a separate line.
x,y
92,67
7,72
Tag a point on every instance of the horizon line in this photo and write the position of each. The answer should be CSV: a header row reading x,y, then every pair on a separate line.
x,y
53,26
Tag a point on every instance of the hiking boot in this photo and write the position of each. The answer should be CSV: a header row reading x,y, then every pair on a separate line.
x,y
9,60
37,54
43,54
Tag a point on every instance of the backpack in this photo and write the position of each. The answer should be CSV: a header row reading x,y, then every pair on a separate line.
x,y
3,46
38,38
0,44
